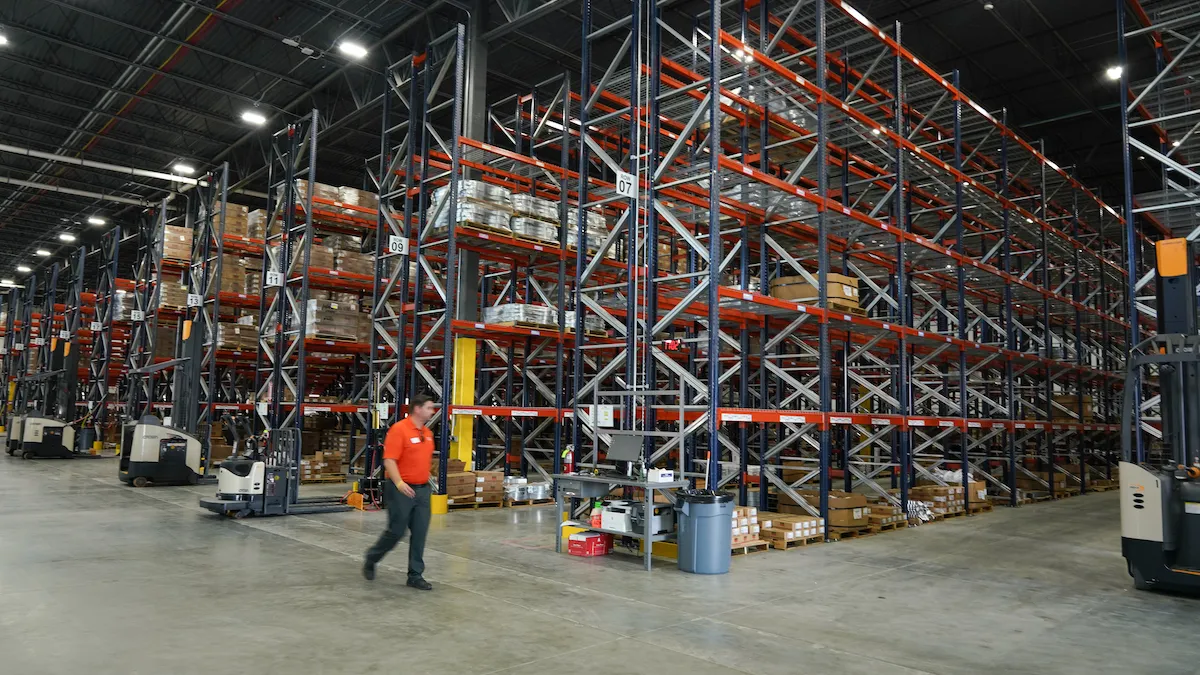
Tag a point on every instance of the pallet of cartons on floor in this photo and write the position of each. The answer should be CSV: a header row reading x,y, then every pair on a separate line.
x,y
784,531
746,530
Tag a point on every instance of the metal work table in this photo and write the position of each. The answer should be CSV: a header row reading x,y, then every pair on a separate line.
x,y
582,486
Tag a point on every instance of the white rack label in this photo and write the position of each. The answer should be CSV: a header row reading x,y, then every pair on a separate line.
x,y
261,407
37,342
64,335
112,388
735,417
524,413
793,419
839,420
397,244
467,411
195,300
627,185
274,279
879,422
137,315
18,347
96,326
945,423
916,423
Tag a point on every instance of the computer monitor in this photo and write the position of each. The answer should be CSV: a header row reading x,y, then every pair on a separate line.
x,y
625,448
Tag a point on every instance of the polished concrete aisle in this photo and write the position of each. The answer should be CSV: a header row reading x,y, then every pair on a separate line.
x,y
98,578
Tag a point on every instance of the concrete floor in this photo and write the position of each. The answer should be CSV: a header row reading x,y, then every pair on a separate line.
x,y
99,578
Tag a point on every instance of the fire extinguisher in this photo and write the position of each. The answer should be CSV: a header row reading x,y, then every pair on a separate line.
x,y
568,459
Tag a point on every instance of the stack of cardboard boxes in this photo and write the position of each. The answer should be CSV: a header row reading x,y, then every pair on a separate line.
x,y
177,243
883,513
781,529
746,528
460,487
944,499
319,467
237,219
841,290
846,509
489,487
237,337
172,295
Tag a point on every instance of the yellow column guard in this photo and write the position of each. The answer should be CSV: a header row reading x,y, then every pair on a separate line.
x,y
463,429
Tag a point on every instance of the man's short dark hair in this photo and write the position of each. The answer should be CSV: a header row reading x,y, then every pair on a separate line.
x,y
419,400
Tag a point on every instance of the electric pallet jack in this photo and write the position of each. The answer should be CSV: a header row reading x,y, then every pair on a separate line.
x,y
263,479
158,454
1160,502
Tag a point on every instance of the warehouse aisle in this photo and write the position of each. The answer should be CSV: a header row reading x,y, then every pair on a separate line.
x,y
98,578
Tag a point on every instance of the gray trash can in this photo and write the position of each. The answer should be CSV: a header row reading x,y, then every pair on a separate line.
x,y
705,537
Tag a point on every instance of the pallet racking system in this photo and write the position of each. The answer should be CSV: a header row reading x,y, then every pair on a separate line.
x,y
991,329
1159,127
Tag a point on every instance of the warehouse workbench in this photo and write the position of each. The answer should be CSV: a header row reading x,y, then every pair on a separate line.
x,y
584,486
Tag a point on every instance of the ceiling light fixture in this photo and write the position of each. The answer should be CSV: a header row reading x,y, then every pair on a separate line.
x,y
989,6
7,282
1175,144
251,117
67,237
3,40
24,269
1114,73
876,132
185,169
96,220
43,253
352,49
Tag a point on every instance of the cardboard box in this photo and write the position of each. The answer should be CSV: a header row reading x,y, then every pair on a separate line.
x,y
842,288
838,499
854,517
589,544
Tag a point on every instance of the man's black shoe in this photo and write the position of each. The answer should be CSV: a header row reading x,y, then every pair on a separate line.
x,y
420,584
368,571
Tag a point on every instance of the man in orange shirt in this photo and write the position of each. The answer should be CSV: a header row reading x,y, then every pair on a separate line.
x,y
407,453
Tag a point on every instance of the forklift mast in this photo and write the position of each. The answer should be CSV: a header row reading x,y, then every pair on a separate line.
x,y
1178,314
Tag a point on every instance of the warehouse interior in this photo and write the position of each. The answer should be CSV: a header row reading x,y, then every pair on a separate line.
x,y
761,336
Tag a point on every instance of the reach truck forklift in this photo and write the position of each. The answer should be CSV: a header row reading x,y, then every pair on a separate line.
x,y
156,453
1160,500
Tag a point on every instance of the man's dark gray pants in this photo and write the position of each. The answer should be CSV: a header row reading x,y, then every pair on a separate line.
x,y
404,514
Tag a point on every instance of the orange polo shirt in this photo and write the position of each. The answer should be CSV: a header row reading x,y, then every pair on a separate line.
x,y
412,450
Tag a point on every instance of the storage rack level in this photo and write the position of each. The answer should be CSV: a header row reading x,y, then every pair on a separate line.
x,y
578,486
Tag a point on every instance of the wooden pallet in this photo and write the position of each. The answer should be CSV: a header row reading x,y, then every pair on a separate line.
x,y
887,527
517,503
846,308
839,533
1102,488
323,479
748,547
530,325
588,333
953,514
980,507
476,505
485,229
785,544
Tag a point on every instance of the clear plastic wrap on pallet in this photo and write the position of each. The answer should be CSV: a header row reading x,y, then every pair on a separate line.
x,y
349,196
320,191
591,323
920,510
476,191
535,207
476,213
534,229
237,337
256,224
520,313
343,242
